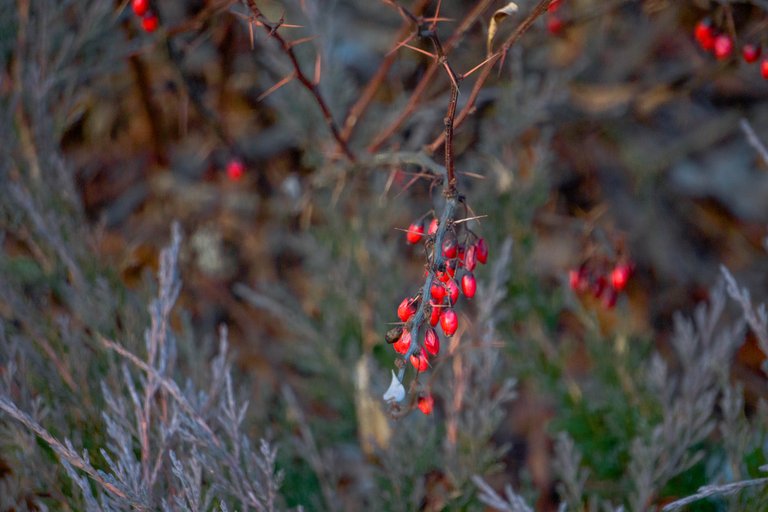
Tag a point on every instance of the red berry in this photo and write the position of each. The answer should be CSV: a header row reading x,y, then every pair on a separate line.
x,y
415,232
468,285
149,22
442,275
432,227
235,168
764,68
481,250
140,7
620,276
425,404
555,24
434,315
470,258
575,280
438,292
450,248
450,268
705,34
554,5
402,345
723,46
432,342
453,291
751,53
420,362
406,309
449,322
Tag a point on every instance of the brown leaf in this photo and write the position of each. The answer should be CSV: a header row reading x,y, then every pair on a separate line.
x,y
499,16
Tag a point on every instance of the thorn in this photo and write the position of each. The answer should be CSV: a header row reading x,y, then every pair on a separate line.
x,y
437,14
425,52
278,85
486,61
401,44
297,42
318,67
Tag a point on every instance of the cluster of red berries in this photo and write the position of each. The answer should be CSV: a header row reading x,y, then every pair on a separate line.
x,y
455,258
142,9
721,45
555,23
602,284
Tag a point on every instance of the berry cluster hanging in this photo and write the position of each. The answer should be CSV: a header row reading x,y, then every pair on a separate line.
x,y
452,255
720,40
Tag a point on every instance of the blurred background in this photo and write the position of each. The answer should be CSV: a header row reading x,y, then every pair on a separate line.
x,y
607,137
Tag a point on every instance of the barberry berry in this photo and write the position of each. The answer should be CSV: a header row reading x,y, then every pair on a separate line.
x,y
470,258
450,248
620,276
431,342
150,22
432,227
453,291
140,7
425,404
751,52
420,362
415,232
438,292
402,345
764,68
555,24
576,280
468,285
406,309
235,168
434,315
704,34
723,46
449,322
481,250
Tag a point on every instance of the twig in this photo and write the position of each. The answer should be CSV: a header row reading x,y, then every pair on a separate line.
x,y
421,87
753,139
358,109
468,108
287,48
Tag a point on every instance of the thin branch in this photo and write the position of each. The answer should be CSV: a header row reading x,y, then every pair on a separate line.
x,y
287,48
753,139
358,109
469,107
421,87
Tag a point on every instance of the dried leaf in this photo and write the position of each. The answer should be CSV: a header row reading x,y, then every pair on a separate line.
x,y
496,19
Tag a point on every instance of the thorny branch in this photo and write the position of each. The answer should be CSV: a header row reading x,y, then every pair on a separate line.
x,y
469,107
311,86
421,87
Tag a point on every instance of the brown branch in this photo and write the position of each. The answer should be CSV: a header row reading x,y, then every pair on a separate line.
x,y
421,87
358,109
469,107
286,47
